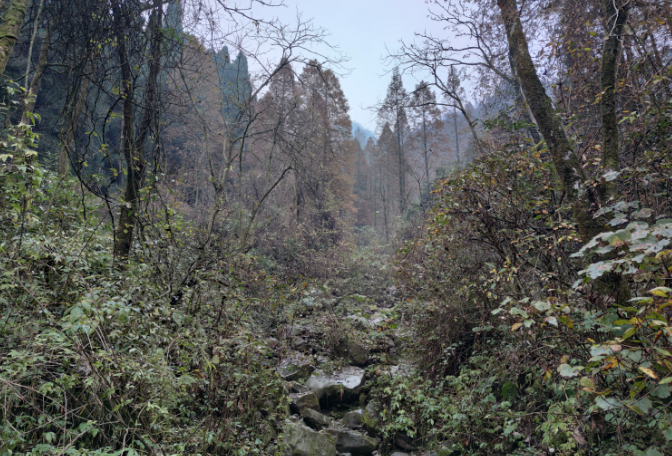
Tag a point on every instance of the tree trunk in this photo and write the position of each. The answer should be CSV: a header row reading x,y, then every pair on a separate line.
x,y
457,138
532,130
565,160
31,95
70,126
134,165
134,150
12,22
614,21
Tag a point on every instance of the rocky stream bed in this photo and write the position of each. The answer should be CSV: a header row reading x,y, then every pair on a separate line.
x,y
330,412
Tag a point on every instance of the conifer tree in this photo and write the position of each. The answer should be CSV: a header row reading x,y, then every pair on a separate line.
x,y
393,112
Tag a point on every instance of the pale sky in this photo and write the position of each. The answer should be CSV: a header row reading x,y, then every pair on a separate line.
x,y
362,29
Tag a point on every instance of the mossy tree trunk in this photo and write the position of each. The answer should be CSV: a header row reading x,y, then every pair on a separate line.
x,y
134,147
565,160
42,62
10,29
615,20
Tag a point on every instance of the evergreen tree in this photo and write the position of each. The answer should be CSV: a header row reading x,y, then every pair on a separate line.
x,y
393,112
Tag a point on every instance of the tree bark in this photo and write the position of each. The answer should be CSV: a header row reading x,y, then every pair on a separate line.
x,y
134,149
565,160
12,22
31,95
615,20
532,130
70,126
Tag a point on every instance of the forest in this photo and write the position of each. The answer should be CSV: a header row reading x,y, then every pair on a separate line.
x,y
203,253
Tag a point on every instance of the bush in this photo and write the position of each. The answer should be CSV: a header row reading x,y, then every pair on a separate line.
x,y
528,344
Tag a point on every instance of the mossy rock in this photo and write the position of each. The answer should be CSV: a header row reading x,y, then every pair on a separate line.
x,y
370,420
300,440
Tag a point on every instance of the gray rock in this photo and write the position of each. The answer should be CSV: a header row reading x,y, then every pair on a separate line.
x,y
320,360
290,331
267,433
404,442
358,353
302,401
402,370
300,440
356,443
316,420
295,367
342,386
352,420
370,420
301,345
295,387
397,453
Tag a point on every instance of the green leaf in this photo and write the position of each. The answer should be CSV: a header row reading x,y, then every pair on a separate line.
x,y
629,333
662,392
517,311
661,291
653,452
541,306
565,370
566,321
608,403
644,404
668,433
551,321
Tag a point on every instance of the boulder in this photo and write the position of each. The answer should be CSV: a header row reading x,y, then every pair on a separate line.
x,y
371,420
358,353
295,367
295,387
301,345
302,401
355,443
316,420
320,360
300,440
352,420
342,386
404,442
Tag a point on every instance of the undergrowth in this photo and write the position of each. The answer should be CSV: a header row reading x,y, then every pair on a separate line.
x,y
522,348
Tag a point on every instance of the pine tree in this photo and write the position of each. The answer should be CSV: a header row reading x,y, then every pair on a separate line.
x,y
393,111
427,125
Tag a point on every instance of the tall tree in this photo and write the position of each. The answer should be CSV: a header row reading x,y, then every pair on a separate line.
x,y
615,17
427,123
384,164
566,162
393,112
134,145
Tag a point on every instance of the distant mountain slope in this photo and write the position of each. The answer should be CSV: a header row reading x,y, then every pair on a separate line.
x,y
362,134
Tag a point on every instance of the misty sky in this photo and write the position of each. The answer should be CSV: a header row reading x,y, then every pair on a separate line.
x,y
362,29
